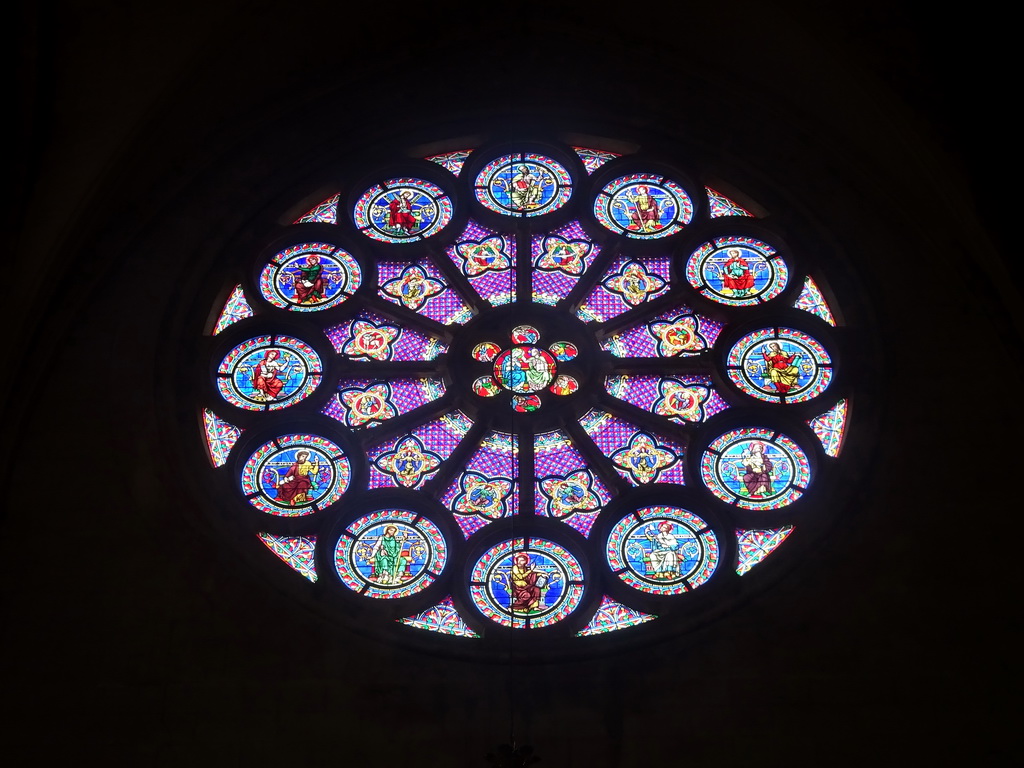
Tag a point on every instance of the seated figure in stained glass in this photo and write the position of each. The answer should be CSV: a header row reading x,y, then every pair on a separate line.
x,y
664,556
299,480
781,369
388,559
527,584
736,276
757,471
264,375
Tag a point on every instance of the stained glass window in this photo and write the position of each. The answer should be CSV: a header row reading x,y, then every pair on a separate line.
x,y
547,390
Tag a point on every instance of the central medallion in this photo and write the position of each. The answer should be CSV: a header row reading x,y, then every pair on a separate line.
x,y
525,369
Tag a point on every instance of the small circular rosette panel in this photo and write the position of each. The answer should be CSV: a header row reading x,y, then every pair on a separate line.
x,y
755,468
402,210
310,277
643,206
296,475
780,365
526,583
523,184
390,553
268,373
525,369
737,271
662,550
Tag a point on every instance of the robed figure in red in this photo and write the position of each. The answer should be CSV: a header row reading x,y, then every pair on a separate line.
x,y
400,214
264,376
645,213
737,276
297,482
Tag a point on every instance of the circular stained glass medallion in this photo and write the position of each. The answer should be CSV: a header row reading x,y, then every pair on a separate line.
x,y
268,373
310,277
296,475
780,365
662,550
738,271
524,369
527,583
390,553
643,206
523,184
402,210
755,469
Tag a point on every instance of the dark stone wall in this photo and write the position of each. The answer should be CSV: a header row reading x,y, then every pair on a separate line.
x,y
152,136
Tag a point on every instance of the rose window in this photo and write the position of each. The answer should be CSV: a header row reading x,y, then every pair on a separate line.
x,y
540,389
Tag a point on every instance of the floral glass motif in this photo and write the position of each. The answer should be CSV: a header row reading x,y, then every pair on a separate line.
x,y
811,300
299,552
412,288
662,550
643,206
560,258
685,398
235,308
368,403
779,365
441,618
594,158
526,583
409,461
830,428
566,487
220,437
486,258
754,546
393,426
611,616
309,277
421,288
324,213
296,475
372,337
451,161
722,206
487,489
755,468
737,271
390,553
268,373
402,210
679,333
523,184
627,284
639,457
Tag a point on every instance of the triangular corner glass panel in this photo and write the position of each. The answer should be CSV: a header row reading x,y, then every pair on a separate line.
x,y
594,158
441,618
324,213
611,616
220,437
451,161
296,551
754,546
830,427
235,308
811,300
722,206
